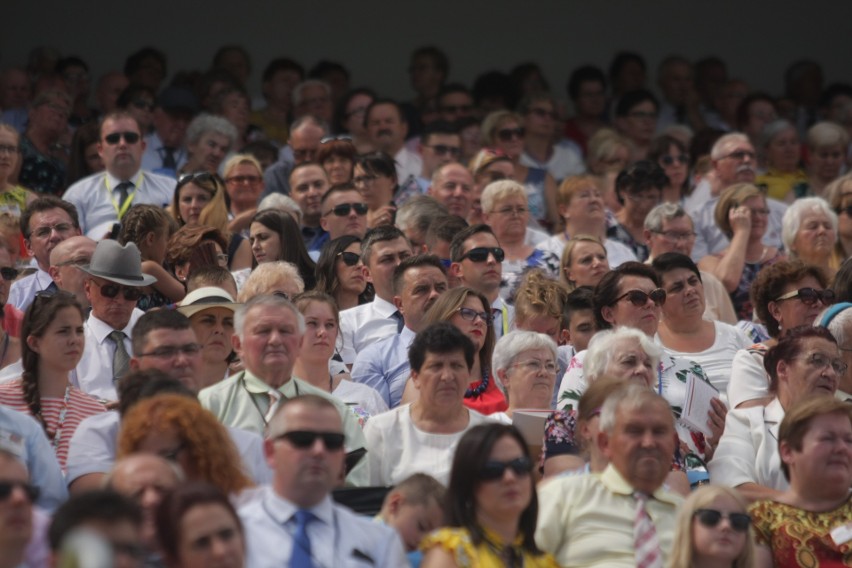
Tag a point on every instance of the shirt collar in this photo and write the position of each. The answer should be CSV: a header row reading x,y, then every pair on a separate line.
x,y
112,181
282,510
101,329
383,307
256,385
613,480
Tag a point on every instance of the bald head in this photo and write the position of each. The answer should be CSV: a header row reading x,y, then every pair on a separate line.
x,y
65,259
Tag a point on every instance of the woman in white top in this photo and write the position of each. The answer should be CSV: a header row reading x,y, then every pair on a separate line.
x,y
683,332
525,362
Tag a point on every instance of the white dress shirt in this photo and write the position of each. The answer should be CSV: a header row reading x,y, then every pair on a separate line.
x,y
23,291
365,324
408,163
384,366
339,538
96,198
152,157
93,374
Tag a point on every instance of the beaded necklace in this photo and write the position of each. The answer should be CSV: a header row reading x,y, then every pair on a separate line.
x,y
480,388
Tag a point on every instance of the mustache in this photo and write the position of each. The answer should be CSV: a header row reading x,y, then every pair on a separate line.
x,y
385,132
745,168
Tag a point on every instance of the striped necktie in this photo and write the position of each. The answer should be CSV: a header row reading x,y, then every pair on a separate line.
x,y
645,539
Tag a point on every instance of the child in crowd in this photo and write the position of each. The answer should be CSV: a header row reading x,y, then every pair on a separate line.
x,y
414,508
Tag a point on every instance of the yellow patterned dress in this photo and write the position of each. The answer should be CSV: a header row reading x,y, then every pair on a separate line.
x,y
488,554
802,538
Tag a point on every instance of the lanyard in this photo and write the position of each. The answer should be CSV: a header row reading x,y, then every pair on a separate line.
x,y
128,202
505,317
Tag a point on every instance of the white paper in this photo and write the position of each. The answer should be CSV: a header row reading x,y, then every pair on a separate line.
x,y
697,406
530,422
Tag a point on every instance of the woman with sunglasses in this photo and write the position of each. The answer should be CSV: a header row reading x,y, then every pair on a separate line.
x,y
243,176
503,131
805,364
53,343
807,525
631,296
839,196
199,199
375,178
742,215
336,155
713,531
673,157
492,507
786,295
274,236
340,272
809,233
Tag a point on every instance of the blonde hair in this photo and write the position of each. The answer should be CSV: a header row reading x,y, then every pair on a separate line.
x,y
683,549
539,295
733,197
565,261
574,184
239,159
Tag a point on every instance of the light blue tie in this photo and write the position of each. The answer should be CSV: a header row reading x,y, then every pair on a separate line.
x,y
301,556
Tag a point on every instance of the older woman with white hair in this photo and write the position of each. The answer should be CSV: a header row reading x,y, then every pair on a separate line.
x,y
784,179
506,210
277,277
209,138
526,364
827,143
809,232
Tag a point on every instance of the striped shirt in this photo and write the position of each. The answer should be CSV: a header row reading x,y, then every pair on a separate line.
x,y
80,406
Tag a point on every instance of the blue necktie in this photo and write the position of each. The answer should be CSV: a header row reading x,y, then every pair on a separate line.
x,y
301,556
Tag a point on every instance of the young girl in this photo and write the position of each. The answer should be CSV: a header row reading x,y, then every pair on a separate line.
x,y
150,228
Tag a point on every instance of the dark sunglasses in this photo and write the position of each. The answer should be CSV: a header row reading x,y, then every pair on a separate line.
x,y
809,296
443,150
670,160
142,104
344,209
8,273
115,138
129,293
6,488
506,134
847,210
639,298
304,439
349,258
480,254
711,517
495,470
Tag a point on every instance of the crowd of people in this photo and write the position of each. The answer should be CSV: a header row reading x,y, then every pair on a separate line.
x,y
473,329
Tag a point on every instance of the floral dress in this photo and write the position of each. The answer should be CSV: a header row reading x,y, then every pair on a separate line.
x,y
488,554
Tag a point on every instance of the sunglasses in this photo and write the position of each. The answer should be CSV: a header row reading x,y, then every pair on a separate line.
x,y
711,517
344,209
202,177
304,439
670,160
443,150
847,210
471,315
6,488
115,138
480,254
142,104
129,293
506,134
809,296
8,273
349,258
639,298
495,470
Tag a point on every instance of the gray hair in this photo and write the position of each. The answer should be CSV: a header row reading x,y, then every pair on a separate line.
x,y
826,134
418,213
664,212
281,202
516,342
242,311
792,221
298,90
309,120
631,397
773,129
109,479
838,325
604,346
498,190
720,148
204,123
265,275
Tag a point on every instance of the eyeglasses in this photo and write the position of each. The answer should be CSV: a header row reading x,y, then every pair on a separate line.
x,y
304,439
506,134
241,180
443,150
668,160
480,254
9,149
542,113
512,211
6,488
44,232
675,236
344,209
639,298
822,361
495,470
8,273
644,197
809,296
740,155
115,137
142,104
536,366
172,351
304,154
281,295
755,212
349,258
847,210
471,315
711,517
131,294
202,177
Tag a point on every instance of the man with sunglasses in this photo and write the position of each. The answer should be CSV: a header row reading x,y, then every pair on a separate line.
x,y
344,212
17,497
114,284
103,198
293,521
440,144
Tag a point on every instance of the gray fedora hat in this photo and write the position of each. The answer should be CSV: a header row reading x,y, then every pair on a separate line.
x,y
119,264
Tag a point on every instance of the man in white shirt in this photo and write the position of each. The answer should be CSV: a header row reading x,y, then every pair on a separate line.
x,y
294,522
474,252
65,262
46,222
387,130
165,148
102,199
440,144
417,283
383,249
113,287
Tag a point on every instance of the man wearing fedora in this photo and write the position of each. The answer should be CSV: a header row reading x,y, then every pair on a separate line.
x,y
114,284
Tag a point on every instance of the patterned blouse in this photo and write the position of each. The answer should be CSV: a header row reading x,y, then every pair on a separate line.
x,y
488,554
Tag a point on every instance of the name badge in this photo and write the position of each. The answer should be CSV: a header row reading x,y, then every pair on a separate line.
x,y
842,534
